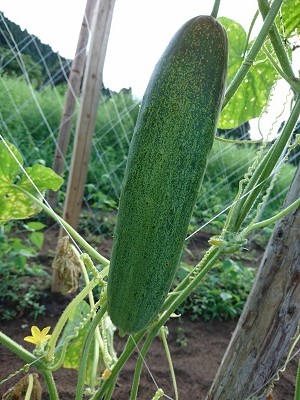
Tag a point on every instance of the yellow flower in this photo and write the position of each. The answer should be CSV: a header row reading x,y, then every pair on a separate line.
x,y
38,337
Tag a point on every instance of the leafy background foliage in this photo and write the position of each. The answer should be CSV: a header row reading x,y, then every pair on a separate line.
x,y
253,94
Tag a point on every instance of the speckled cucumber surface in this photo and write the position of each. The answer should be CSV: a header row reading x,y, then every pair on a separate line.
x,y
166,163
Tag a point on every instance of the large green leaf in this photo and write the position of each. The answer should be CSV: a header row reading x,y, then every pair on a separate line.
x,y
252,96
13,203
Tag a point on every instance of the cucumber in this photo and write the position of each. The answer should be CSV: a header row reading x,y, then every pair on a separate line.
x,y
167,158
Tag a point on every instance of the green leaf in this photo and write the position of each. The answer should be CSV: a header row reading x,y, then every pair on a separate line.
x,y
37,238
43,177
9,166
35,226
252,96
289,18
13,203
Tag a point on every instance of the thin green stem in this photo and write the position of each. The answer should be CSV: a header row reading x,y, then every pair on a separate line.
x,y
98,338
110,389
169,358
65,316
235,141
51,386
20,351
271,220
297,384
267,165
277,42
138,370
203,267
29,387
250,31
127,352
215,9
263,171
78,238
249,60
86,352
294,84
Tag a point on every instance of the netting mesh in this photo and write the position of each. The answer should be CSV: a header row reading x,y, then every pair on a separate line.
x,y
32,95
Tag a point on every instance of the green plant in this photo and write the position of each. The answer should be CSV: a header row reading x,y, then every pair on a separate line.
x,y
91,321
23,281
167,159
181,337
221,294
98,199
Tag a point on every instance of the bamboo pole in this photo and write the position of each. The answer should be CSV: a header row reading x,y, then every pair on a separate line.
x,y
270,319
72,93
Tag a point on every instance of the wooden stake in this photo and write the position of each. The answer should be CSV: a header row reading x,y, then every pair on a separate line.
x,y
92,84
72,94
270,319
88,110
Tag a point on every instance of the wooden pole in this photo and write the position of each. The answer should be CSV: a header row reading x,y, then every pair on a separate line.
x,y
92,84
270,319
72,94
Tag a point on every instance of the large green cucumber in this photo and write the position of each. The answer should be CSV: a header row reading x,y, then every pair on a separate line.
x,y
166,163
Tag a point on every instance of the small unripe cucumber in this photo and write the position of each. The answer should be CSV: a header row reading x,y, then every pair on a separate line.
x,y
166,163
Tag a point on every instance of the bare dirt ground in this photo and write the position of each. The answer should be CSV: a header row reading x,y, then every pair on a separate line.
x,y
195,363
197,349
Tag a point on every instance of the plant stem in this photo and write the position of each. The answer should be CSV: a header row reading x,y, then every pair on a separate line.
x,y
29,388
262,173
265,168
297,384
246,65
30,358
128,350
20,351
249,32
169,358
111,388
138,370
78,238
277,42
86,351
52,390
215,9
271,220
65,315
294,84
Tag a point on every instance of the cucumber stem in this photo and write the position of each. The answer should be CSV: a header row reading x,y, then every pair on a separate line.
x,y
169,358
297,384
277,42
51,386
86,351
215,9
249,60
264,170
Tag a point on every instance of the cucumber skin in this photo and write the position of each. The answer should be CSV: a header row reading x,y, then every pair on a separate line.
x,y
166,163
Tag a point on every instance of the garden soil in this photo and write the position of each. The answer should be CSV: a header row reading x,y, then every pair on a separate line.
x,y
197,348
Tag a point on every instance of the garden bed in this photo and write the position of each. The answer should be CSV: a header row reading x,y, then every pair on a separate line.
x,y
197,348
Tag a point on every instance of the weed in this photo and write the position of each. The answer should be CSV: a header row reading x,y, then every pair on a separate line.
x,y
221,294
22,280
